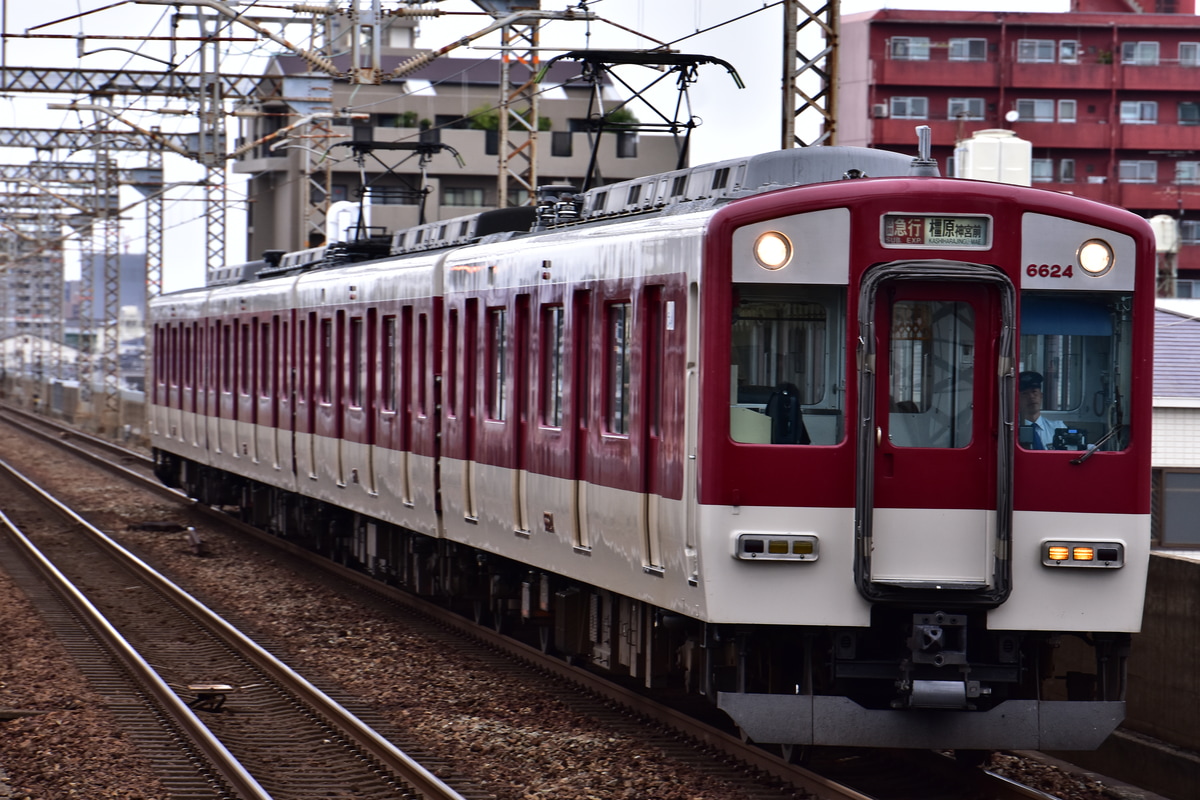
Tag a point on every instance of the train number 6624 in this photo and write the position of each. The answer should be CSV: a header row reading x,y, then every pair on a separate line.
x,y
1049,271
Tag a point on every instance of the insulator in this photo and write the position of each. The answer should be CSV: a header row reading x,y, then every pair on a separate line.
x,y
415,12
305,8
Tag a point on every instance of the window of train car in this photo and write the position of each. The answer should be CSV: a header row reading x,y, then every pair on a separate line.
x,y
787,376
357,363
931,383
553,329
620,321
388,363
1075,354
497,359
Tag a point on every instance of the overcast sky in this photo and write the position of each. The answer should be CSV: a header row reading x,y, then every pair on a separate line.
x,y
733,121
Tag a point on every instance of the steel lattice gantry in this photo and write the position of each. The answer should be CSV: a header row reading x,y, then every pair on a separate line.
x,y
810,40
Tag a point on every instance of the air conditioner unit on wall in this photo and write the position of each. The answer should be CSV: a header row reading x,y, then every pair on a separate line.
x,y
879,110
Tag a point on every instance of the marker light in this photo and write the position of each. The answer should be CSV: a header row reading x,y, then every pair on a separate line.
x,y
1095,257
772,250
1096,555
776,547
1057,553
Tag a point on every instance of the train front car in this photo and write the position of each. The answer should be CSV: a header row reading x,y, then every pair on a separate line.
x,y
897,548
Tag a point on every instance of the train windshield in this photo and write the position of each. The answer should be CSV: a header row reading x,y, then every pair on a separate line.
x,y
787,370
1073,384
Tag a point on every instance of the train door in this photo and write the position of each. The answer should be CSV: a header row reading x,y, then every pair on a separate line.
x,y
581,344
306,395
227,397
470,363
407,380
653,351
190,385
267,390
244,380
522,378
355,444
174,381
933,500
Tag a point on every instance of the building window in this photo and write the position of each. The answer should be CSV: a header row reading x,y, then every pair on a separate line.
x,y
1189,54
910,48
910,107
1066,110
462,196
1139,112
1143,54
965,108
968,49
627,144
1036,51
1043,170
1189,113
1187,172
561,144
1068,51
1189,233
1187,289
1066,170
1036,110
1179,504
1137,172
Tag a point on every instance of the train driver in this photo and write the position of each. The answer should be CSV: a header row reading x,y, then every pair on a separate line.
x,y
1041,433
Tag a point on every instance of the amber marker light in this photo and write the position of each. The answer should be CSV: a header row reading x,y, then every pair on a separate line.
x,y
772,250
1094,554
1096,257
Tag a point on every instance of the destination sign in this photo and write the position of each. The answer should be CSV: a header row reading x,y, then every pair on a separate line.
x,y
919,230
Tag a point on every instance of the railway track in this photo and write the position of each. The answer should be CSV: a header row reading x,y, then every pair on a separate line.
x,y
834,774
260,729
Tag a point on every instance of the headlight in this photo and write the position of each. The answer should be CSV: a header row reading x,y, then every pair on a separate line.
x,y
772,250
1095,256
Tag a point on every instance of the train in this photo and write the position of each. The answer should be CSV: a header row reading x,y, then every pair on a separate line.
x,y
753,432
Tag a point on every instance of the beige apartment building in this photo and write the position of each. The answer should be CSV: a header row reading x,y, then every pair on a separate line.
x,y
296,170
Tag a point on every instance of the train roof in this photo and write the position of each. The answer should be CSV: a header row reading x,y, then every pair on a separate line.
x,y
678,191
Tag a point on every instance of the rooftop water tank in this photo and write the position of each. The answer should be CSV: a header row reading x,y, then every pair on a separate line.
x,y
995,154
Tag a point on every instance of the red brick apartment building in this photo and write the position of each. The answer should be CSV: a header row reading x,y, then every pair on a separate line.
x,y
1107,93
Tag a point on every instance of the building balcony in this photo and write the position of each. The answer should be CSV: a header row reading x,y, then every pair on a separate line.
x,y
1159,137
1057,76
899,72
1093,135
1156,196
1161,77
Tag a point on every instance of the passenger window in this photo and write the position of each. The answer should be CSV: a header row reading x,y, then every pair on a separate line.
x,y
786,369
497,362
1074,372
931,373
553,329
620,323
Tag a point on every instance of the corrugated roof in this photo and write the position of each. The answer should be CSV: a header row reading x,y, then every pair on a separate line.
x,y
1177,349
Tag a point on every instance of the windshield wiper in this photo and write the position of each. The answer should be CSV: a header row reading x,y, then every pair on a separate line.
x,y
1096,447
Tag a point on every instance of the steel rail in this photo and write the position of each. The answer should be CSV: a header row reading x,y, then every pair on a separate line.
x,y
221,759
332,713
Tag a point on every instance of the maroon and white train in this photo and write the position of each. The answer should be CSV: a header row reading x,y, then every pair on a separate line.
x,y
752,429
